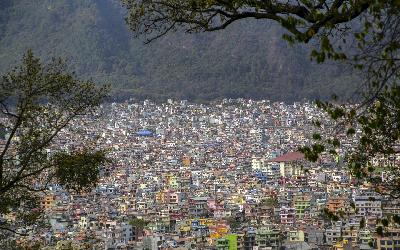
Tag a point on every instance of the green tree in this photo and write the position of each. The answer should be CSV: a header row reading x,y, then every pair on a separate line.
x,y
362,33
271,201
362,222
139,224
36,103
234,224
304,20
329,215
379,230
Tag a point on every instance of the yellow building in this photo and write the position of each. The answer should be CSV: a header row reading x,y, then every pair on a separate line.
x,y
123,208
186,161
172,181
48,202
161,197
342,245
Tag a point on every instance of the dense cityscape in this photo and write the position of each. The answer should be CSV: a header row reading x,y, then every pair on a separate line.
x,y
227,175
199,125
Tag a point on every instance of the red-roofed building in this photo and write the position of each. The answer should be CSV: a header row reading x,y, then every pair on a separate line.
x,y
290,164
289,157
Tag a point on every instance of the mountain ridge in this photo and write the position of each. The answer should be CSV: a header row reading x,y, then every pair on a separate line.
x,y
248,59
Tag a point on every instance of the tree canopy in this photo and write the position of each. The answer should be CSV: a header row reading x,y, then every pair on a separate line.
x,y
36,103
329,22
303,19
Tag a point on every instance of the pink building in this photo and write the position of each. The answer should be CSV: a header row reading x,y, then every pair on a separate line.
x,y
288,215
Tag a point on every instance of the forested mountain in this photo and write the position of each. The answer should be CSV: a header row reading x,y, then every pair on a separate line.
x,y
248,60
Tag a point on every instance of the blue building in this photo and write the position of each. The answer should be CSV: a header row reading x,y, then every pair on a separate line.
x,y
147,133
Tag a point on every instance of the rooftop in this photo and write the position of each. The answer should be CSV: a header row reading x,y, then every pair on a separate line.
x,y
292,156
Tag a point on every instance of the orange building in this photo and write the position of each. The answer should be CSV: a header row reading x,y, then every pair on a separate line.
x,y
336,204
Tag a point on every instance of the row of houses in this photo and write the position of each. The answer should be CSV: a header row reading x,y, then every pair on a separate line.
x,y
227,175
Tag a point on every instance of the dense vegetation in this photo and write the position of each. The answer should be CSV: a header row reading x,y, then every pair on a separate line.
x,y
249,59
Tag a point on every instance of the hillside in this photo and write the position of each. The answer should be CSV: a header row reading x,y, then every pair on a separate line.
x,y
247,60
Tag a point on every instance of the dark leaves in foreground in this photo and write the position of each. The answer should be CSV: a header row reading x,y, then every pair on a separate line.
x,y
79,171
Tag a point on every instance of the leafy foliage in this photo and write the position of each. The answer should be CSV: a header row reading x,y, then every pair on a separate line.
x,y
139,224
271,201
330,215
234,223
362,223
36,103
375,129
79,171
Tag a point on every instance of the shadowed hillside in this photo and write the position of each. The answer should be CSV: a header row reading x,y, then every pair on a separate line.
x,y
247,60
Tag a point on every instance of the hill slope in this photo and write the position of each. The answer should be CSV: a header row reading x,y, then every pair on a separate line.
x,y
248,60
